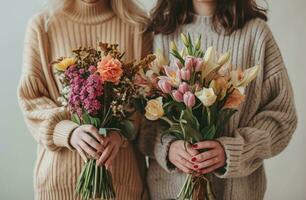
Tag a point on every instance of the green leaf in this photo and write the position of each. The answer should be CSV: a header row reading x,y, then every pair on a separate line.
x,y
86,118
75,118
191,120
209,132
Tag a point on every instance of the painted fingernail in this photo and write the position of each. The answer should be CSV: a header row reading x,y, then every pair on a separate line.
x,y
195,166
194,146
194,159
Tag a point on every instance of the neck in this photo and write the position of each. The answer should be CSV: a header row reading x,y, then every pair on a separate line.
x,y
204,7
89,11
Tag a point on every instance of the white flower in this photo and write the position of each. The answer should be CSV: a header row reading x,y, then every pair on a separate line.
x,y
206,96
154,109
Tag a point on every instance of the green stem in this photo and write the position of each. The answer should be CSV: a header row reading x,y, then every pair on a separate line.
x,y
208,115
167,120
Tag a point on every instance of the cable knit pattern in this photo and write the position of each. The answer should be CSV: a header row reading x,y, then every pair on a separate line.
x,y
261,128
50,37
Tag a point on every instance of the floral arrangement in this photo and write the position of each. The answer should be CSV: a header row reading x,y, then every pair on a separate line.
x,y
193,98
98,89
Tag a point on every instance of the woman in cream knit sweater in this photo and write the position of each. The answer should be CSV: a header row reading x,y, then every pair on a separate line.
x,y
264,123
60,142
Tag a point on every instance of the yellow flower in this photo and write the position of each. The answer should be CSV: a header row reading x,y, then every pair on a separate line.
x,y
206,96
154,109
212,62
64,64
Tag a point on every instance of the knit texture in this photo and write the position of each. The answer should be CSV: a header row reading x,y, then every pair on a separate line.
x,y
260,129
48,38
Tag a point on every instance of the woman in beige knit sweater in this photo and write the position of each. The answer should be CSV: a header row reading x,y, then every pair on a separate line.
x,y
260,129
54,34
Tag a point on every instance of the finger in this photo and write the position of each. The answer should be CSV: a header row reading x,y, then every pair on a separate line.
x,y
191,151
183,168
184,162
209,163
205,156
82,154
211,169
205,145
93,131
105,155
111,158
92,142
88,150
105,141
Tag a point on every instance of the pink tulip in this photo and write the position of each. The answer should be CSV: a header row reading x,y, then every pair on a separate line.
x,y
183,88
199,64
177,95
189,99
190,62
165,86
185,74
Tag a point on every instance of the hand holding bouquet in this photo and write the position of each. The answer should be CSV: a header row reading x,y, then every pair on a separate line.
x,y
98,91
194,98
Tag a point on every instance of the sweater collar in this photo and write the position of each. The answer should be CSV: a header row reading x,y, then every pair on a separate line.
x,y
88,13
202,20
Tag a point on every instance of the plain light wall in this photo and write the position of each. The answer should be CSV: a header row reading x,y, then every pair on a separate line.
x,y
286,173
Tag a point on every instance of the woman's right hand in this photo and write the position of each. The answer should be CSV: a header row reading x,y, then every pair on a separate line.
x,y
87,140
180,155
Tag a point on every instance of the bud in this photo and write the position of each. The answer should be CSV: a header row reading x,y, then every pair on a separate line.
x,y
185,74
177,95
198,43
189,99
184,39
199,64
173,46
165,86
183,88
190,62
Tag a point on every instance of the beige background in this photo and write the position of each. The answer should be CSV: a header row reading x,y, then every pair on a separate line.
x,y
286,173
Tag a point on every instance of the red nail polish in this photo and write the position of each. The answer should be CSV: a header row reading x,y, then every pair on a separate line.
x,y
194,159
196,166
194,146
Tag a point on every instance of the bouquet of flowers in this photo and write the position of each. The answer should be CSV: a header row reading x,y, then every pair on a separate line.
x,y
193,98
98,90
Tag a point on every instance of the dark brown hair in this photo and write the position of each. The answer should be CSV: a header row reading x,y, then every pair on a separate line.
x,y
229,14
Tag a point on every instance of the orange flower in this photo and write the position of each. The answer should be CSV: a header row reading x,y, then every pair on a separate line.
x,y
110,69
234,100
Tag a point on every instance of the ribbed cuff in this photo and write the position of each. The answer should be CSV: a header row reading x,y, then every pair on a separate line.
x,y
162,150
233,148
62,132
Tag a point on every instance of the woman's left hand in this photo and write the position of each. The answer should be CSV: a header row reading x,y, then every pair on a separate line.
x,y
112,143
209,160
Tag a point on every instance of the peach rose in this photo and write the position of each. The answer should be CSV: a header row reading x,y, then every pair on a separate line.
x,y
110,69
234,100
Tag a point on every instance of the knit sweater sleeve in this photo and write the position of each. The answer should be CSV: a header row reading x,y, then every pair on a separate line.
x,y
270,129
47,122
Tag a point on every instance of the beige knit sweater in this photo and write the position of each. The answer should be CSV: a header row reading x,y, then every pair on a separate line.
x,y
47,38
260,129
